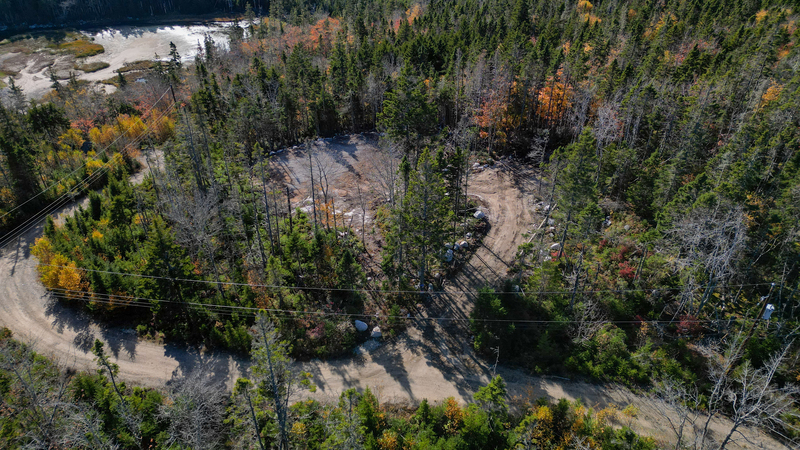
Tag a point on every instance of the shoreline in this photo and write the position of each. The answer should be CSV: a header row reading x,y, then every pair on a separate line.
x,y
95,25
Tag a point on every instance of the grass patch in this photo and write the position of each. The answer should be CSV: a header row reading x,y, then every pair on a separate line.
x,y
91,67
136,65
129,78
82,48
4,78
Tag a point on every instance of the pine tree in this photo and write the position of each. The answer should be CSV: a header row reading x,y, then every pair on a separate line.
x,y
426,213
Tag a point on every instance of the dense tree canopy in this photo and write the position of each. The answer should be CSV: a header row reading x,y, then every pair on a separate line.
x,y
662,136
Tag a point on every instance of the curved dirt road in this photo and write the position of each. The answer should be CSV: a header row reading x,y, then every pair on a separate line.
x,y
427,362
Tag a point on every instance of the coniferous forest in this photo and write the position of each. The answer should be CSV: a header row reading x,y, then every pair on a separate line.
x,y
343,163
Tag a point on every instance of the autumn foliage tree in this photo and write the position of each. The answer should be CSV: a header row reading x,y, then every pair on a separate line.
x,y
57,272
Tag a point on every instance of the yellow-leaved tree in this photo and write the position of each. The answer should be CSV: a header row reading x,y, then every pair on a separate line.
x,y
57,272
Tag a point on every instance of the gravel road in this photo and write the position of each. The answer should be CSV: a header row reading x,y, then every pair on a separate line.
x,y
427,362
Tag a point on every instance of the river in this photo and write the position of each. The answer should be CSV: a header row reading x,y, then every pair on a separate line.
x,y
122,44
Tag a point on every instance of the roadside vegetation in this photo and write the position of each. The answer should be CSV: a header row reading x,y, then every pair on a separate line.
x,y
664,135
46,406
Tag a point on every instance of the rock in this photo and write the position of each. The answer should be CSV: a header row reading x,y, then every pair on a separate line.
x,y
476,165
376,332
555,246
551,222
448,256
627,227
361,326
463,244
479,214
448,245
469,235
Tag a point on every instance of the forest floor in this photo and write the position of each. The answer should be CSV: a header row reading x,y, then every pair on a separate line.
x,y
433,359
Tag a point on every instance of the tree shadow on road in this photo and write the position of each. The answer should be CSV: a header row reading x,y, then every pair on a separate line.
x,y
220,368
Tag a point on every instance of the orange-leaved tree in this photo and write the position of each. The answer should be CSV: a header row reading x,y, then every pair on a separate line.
x,y
555,98
497,116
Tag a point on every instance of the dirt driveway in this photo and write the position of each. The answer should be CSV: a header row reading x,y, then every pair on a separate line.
x,y
428,362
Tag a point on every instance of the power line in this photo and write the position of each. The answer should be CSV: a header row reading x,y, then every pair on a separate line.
x,y
81,166
61,201
381,291
144,302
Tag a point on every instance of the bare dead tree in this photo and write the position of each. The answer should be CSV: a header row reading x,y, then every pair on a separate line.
x,y
44,413
328,171
195,413
607,126
676,403
197,223
579,114
590,318
65,6
375,92
748,395
384,165
756,401
344,424
362,202
86,430
720,365
711,241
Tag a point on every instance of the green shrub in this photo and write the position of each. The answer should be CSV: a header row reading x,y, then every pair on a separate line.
x,y
82,48
91,67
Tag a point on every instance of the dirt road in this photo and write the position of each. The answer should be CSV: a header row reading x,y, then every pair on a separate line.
x,y
427,362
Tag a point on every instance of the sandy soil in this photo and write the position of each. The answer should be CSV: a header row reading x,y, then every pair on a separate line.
x,y
433,360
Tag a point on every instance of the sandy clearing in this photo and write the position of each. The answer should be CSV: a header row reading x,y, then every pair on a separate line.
x,y
432,360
